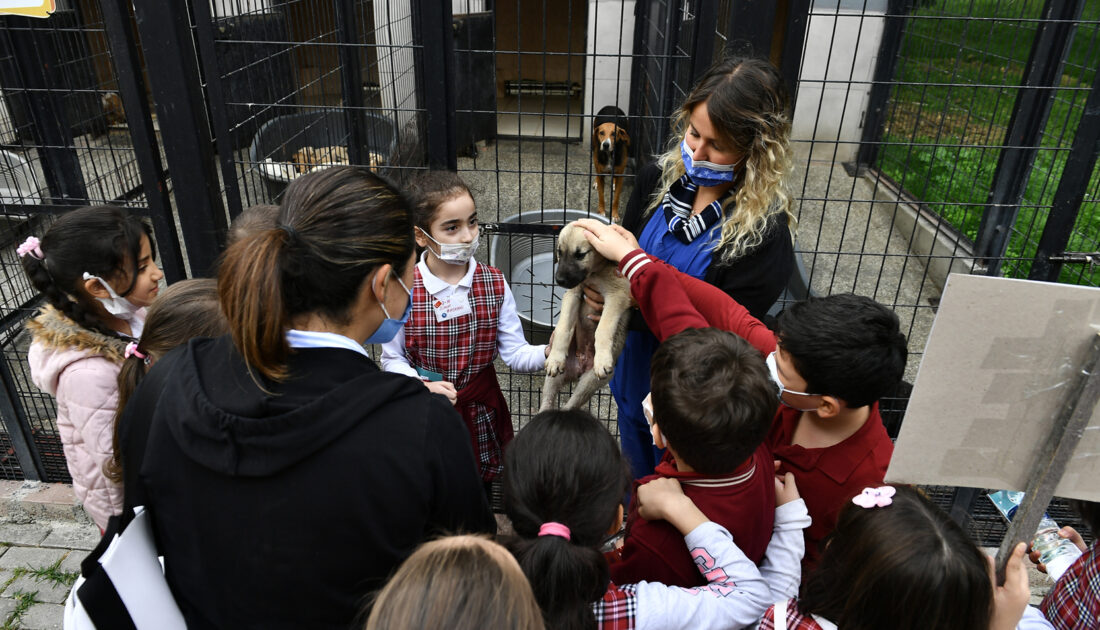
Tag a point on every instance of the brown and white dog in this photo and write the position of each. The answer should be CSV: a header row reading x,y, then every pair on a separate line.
x,y
610,150
582,350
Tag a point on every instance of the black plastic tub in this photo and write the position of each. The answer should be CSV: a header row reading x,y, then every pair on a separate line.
x,y
280,138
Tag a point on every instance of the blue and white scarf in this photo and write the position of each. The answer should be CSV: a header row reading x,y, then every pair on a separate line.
x,y
677,208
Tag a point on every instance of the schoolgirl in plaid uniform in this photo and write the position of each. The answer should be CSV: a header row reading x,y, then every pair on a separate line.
x,y
564,481
1074,601
463,316
890,539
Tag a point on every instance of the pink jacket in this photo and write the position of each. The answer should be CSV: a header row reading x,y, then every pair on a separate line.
x,y
80,369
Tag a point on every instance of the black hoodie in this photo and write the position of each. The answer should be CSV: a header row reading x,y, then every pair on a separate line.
x,y
285,507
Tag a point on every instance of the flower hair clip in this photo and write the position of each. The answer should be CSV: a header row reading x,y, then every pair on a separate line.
x,y
31,246
875,497
132,351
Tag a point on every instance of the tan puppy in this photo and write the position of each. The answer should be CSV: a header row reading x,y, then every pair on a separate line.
x,y
582,349
610,150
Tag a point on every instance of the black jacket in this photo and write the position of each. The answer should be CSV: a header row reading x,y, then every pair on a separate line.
x,y
283,509
756,279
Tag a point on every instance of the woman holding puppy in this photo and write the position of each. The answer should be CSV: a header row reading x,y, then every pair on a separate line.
x,y
715,207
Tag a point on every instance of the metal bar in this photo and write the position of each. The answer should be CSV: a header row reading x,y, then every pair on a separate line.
x,y
36,61
706,17
437,64
1071,191
219,111
184,128
1066,430
131,87
885,70
794,39
749,31
351,79
1025,128
15,421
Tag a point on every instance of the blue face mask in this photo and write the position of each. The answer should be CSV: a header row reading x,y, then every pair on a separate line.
x,y
388,330
706,173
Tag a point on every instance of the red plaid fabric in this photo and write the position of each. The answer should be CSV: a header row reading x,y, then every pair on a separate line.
x,y
795,619
1074,602
618,608
460,349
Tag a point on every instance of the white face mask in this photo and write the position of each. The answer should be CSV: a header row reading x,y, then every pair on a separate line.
x,y
117,305
453,253
773,369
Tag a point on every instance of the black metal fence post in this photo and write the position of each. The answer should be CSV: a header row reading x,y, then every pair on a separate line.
x,y
885,71
19,431
436,73
748,33
170,57
219,110
794,40
1029,116
351,78
1071,190
36,62
131,87
706,17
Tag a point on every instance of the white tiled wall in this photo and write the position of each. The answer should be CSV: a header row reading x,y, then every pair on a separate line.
x,y
396,67
842,44
227,8
610,44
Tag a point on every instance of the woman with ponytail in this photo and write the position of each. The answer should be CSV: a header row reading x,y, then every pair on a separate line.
x,y
715,206
564,480
187,309
95,268
287,475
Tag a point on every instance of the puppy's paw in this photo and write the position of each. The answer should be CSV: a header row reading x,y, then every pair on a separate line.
x,y
603,365
555,364
595,182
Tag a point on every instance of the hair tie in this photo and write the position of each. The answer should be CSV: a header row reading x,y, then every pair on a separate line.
x,y
31,246
554,529
291,234
132,351
875,497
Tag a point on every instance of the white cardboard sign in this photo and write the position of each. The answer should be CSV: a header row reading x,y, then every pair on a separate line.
x,y
999,359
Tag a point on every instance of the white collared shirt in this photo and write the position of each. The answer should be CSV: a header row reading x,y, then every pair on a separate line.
x,y
511,344
317,339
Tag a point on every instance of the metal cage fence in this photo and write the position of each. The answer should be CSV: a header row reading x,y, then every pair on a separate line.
x,y
897,154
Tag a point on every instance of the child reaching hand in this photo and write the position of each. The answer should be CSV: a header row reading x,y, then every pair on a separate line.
x,y
830,361
564,480
897,561
95,267
463,316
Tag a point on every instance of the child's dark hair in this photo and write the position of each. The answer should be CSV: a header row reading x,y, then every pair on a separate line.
x,y
104,241
844,345
254,219
187,309
564,467
712,398
906,566
430,189
335,227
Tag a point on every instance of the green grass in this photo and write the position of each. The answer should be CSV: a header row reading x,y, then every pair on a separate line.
x,y
942,141
25,599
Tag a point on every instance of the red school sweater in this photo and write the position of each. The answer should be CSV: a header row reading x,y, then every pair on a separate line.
x,y
743,502
827,478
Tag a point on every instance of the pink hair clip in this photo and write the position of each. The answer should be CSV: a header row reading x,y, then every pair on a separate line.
x,y
875,497
554,529
132,351
31,246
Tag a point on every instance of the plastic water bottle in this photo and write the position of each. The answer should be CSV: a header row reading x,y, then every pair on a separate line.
x,y
1055,552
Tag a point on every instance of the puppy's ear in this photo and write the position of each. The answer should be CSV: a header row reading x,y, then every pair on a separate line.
x,y
595,138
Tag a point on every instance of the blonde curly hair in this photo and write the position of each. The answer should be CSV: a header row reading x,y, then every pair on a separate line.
x,y
748,107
